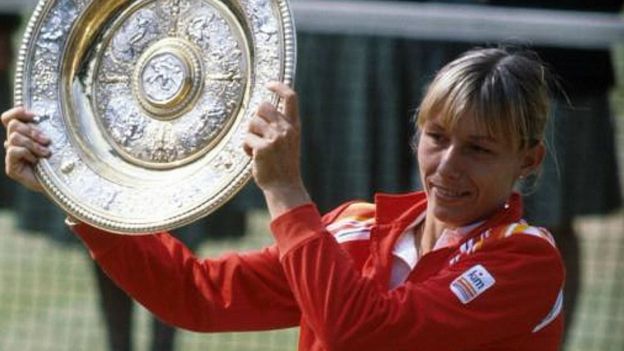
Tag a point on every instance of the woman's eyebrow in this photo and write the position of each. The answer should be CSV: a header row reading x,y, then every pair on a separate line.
x,y
435,125
482,138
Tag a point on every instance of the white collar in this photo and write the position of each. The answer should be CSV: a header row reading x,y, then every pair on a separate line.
x,y
405,247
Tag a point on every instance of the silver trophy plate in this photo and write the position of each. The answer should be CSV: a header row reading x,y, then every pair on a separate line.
x,y
147,102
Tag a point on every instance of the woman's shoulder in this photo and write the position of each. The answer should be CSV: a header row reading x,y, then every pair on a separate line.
x,y
350,218
524,230
519,239
521,269
357,210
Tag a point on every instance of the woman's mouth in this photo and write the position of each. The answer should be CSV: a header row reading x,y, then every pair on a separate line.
x,y
449,194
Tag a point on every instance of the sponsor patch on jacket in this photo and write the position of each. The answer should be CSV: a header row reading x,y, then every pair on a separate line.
x,y
472,283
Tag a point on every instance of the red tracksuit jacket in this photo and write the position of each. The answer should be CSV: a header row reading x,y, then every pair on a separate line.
x,y
498,289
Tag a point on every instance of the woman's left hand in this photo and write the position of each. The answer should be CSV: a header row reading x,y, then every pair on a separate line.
x,y
273,142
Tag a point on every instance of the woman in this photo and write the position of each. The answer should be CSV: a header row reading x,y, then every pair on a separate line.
x,y
451,268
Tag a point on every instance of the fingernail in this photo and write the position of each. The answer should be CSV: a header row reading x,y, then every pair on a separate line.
x,y
41,137
44,138
44,150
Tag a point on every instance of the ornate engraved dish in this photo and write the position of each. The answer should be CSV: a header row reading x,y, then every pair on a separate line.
x,y
148,101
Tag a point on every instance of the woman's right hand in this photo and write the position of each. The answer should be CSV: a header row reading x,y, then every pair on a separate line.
x,y
25,145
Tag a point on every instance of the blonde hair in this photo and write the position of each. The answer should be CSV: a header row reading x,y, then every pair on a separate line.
x,y
506,92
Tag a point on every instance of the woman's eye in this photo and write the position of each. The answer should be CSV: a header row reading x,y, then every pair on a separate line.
x,y
437,137
480,149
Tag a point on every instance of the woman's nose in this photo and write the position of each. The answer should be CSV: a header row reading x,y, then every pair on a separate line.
x,y
450,163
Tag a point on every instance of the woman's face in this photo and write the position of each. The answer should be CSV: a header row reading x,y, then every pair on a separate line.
x,y
466,173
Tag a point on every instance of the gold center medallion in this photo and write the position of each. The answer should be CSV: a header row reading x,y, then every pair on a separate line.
x,y
167,78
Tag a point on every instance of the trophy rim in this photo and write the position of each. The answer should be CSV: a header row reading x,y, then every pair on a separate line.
x,y
51,186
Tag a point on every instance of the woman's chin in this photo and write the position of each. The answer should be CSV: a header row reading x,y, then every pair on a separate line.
x,y
456,216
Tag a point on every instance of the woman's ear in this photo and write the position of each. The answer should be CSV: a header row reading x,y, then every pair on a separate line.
x,y
532,158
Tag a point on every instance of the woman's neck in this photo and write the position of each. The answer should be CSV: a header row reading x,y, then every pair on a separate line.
x,y
430,233
432,229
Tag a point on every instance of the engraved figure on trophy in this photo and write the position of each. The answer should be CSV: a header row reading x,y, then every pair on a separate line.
x,y
47,114
266,37
58,24
163,148
81,4
212,119
226,161
198,29
173,8
45,67
135,35
266,23
163,77
127,126
47,78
